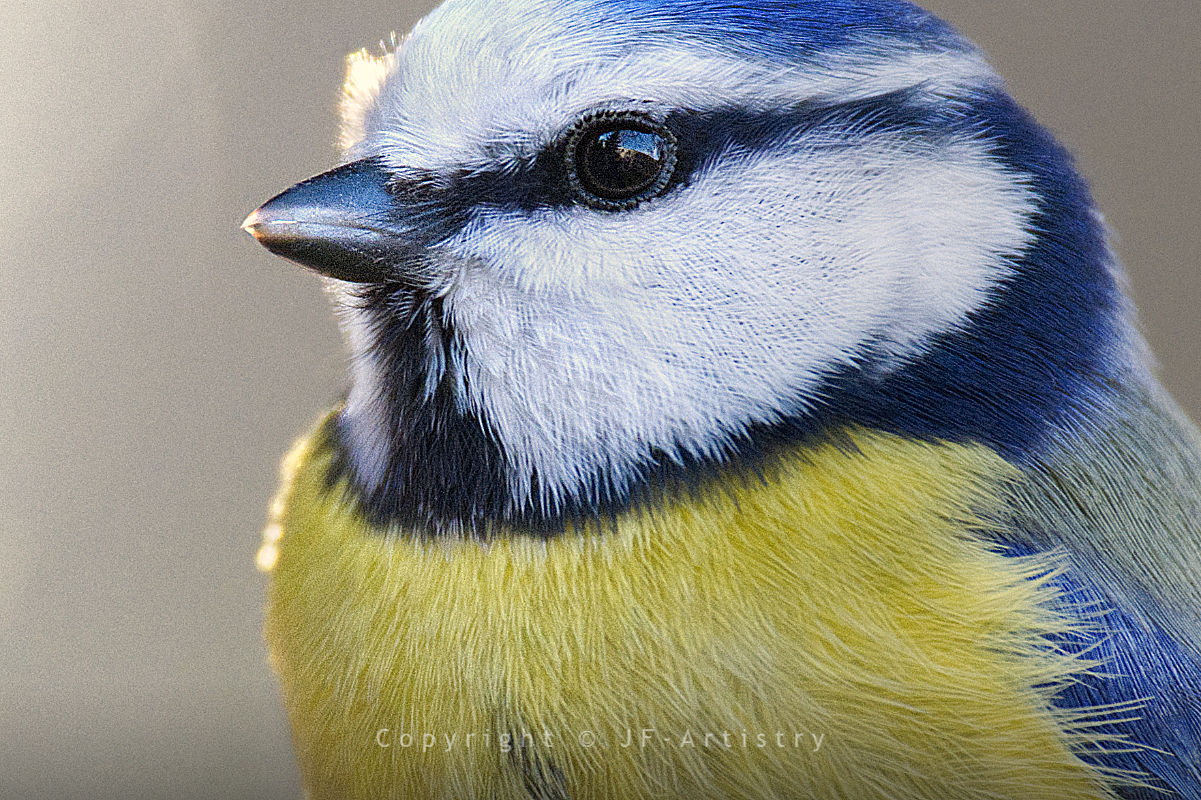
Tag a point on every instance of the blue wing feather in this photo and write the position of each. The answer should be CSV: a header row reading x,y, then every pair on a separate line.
x,y
1149,685
1120,496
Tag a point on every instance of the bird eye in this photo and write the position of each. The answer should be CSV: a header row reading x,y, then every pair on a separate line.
x,y
617,159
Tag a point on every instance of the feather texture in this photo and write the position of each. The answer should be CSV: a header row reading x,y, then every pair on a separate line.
x,y
851,595
848,433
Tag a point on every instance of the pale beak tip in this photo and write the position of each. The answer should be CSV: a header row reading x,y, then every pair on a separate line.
x,y
252,222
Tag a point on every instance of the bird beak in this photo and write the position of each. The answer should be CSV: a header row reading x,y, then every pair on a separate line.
x,y
338,223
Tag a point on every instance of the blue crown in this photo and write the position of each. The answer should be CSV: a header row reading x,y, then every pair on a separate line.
x,y
784,29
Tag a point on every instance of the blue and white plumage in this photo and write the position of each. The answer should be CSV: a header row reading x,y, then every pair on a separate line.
x,y
888,263
863,231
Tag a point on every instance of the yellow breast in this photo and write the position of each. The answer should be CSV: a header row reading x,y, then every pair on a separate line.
x,y
839,629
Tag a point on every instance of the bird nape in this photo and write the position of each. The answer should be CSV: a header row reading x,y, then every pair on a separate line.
x,y
744,404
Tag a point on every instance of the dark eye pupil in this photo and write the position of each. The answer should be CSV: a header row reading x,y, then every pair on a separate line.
x,y
617,159
620,163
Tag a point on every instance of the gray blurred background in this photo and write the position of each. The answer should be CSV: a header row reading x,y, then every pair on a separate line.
x,y
156,363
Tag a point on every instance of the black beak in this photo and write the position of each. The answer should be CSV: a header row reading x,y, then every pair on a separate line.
x,y
337,223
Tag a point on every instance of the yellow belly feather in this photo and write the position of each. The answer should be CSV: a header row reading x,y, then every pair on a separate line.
x,y
846,608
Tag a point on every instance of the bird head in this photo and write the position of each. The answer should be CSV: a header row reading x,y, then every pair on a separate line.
x,y
581,248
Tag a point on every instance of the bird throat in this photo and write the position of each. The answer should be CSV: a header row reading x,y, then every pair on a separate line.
x,y
850,594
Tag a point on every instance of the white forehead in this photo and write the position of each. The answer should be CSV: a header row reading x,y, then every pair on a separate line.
x,y
481,82
592,340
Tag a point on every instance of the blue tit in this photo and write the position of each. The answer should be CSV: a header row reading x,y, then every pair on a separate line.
x,y
744,404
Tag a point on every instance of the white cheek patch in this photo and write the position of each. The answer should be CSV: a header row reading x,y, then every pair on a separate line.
x,y
366,406
593,340
593,337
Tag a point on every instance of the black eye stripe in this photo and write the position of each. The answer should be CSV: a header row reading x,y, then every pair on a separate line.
x,y
445,202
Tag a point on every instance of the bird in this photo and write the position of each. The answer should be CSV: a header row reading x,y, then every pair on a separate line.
x,y
745,401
